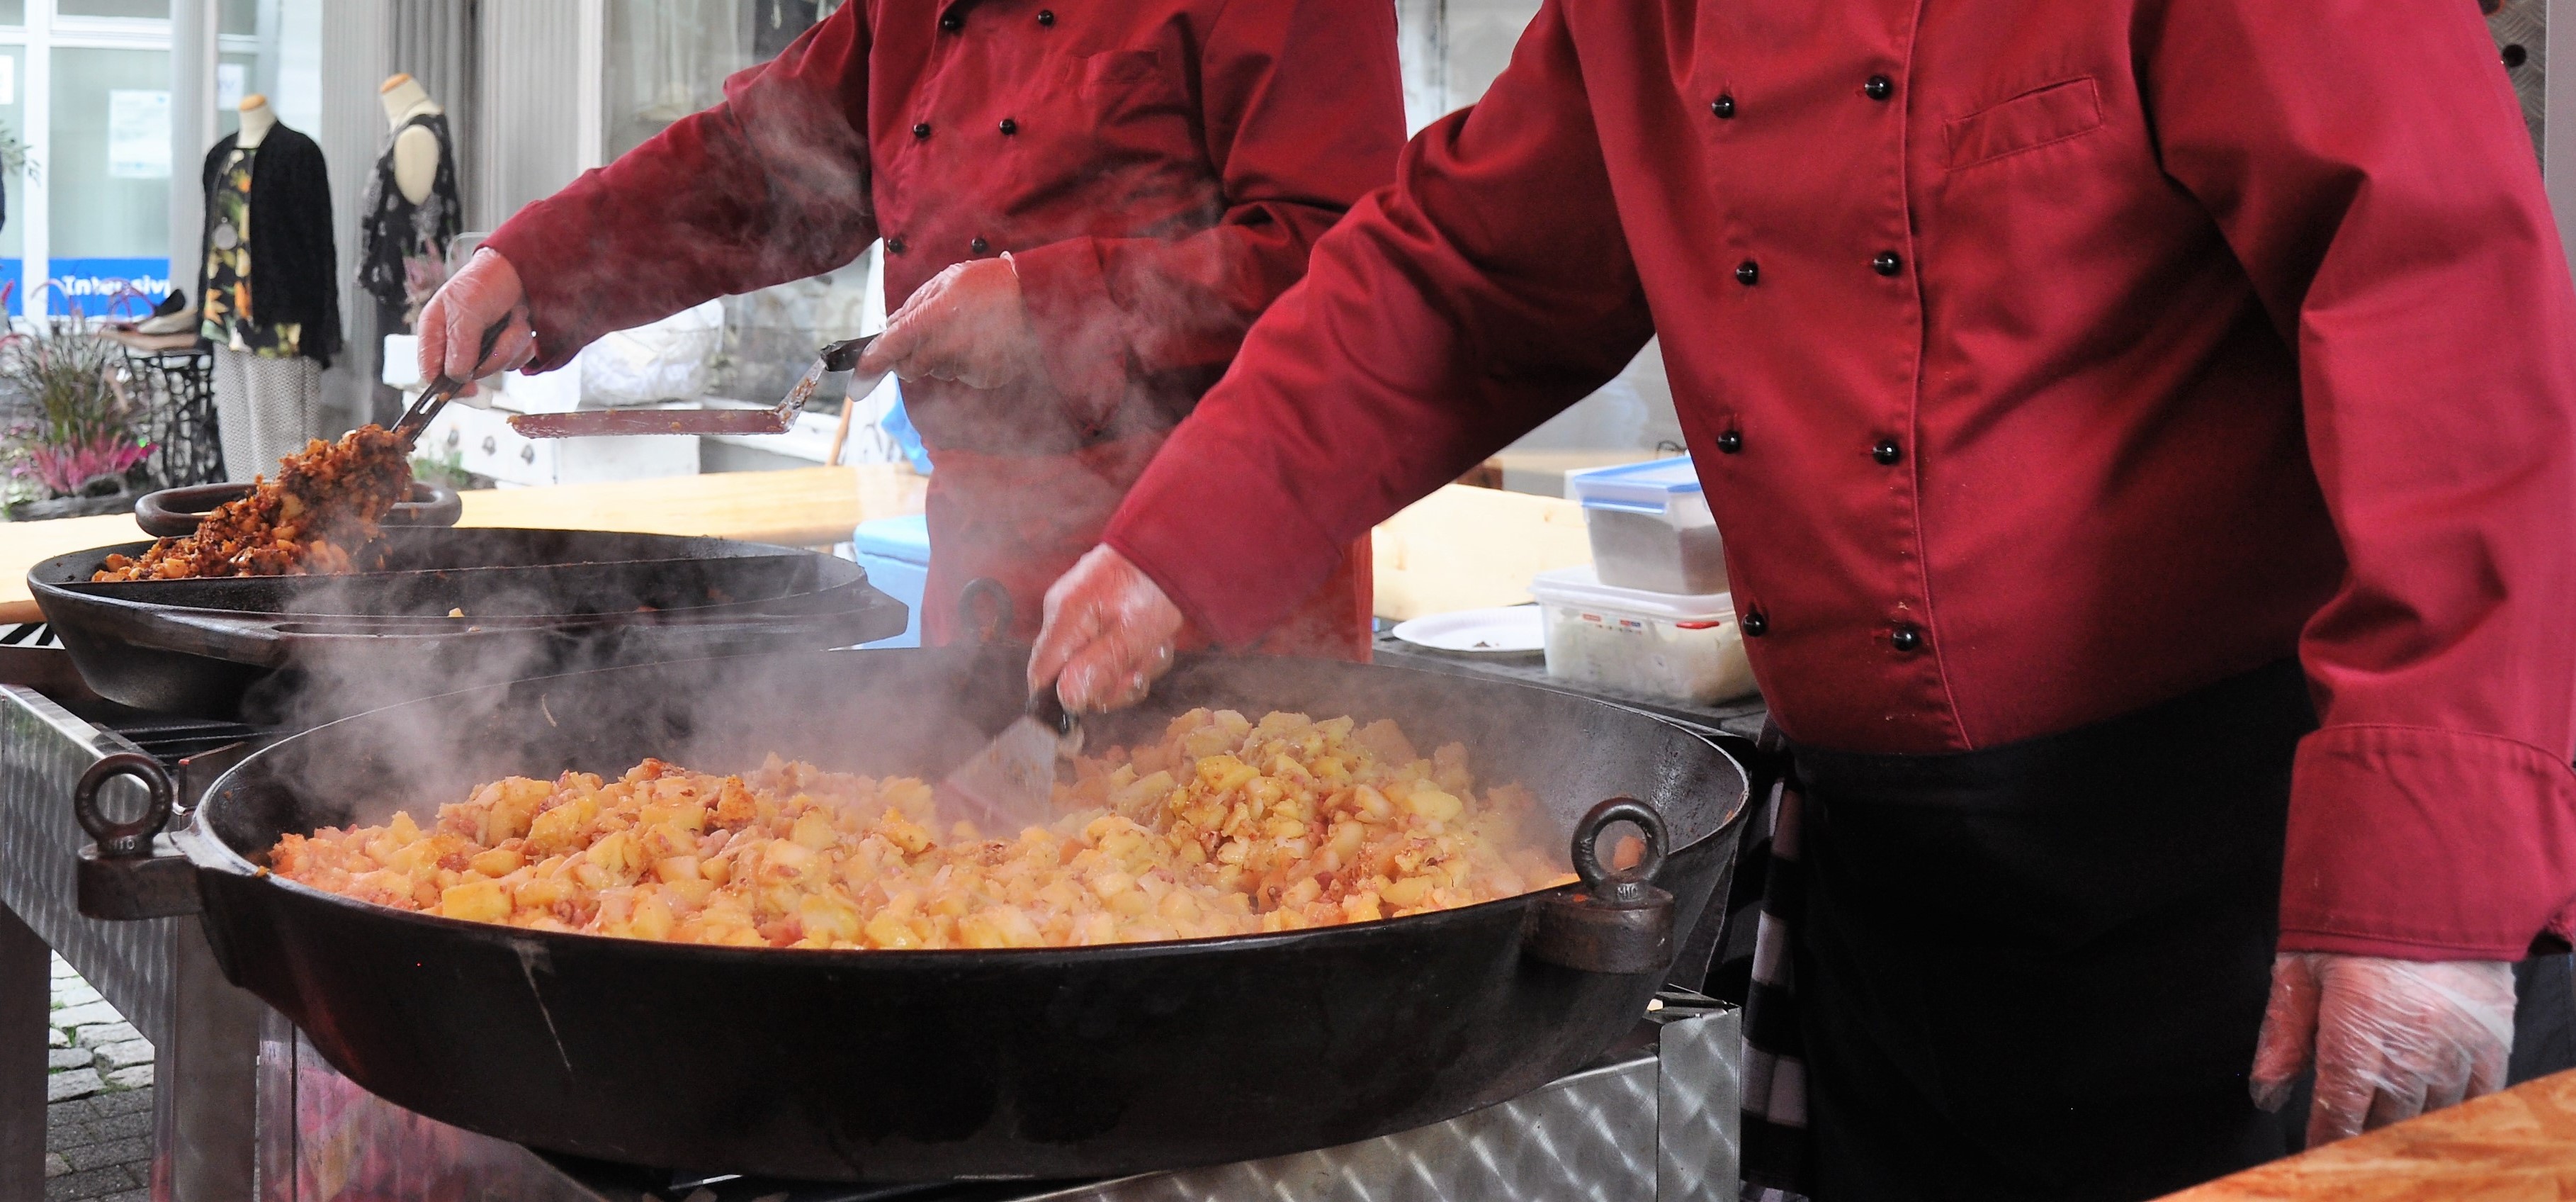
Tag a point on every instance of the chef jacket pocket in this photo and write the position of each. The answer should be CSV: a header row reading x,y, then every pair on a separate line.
x,y
2036,118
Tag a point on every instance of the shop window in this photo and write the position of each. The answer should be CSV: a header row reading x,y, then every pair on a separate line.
x,y
666,59
150,10
108,181
274,48
13,173
669,58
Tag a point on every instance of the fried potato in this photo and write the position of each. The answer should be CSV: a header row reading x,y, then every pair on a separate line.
x,y
1224,827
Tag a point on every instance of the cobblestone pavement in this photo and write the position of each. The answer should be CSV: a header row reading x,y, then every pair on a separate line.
x,y
98,1117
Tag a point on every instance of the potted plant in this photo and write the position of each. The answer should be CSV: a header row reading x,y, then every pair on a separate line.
x,y
75,443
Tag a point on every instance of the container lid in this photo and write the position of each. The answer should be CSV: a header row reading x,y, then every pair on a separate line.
x,y
904,538
1579,587
1648,487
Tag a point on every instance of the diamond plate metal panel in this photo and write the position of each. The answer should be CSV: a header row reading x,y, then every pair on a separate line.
x,y
43,750
1699,1101
2521,30
1586,1136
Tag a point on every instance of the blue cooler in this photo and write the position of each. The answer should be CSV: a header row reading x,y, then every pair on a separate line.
x,y
896,553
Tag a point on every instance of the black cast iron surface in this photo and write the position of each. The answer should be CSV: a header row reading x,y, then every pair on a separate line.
x,y
296,650
934,1064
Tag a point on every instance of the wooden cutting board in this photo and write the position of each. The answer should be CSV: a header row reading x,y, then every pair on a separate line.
x,y
2515,1146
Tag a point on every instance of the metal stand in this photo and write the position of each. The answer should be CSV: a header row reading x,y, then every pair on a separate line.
x,y
187,445
160,975
23,998
1654,1118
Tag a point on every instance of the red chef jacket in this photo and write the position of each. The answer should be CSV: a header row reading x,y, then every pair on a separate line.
x,y
2041,361
1158,170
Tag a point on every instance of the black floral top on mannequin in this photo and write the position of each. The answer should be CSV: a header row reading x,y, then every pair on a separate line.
x,y
271,277
230,319
403,254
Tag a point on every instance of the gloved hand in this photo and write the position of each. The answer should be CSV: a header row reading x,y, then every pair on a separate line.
x,y
452,323
2391,1038
1109,632
967,324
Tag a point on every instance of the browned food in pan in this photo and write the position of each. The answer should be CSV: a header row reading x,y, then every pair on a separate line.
x,y
1224,827
325,506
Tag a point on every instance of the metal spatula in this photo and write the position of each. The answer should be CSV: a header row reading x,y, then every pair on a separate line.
x,y
831,372
442,390
1008,786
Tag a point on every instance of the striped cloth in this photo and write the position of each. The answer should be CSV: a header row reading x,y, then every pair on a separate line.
x,y
1763,907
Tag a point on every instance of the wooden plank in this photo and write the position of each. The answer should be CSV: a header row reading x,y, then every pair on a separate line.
x,y
812,506
1459,548
2513,1145
23,545
1467,548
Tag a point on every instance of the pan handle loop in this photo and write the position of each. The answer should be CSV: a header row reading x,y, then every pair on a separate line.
x,y
176,512
134,872
133,837
1619,923
1629,885
971,609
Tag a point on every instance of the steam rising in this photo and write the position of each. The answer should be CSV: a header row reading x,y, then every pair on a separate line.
x,y
509,632
920,712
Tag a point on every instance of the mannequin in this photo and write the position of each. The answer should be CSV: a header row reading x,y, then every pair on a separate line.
x,y
270,303
416,149
256,120
410,214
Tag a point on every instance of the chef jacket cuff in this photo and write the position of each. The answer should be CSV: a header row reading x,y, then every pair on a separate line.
x,y
552,283
1081,331
2418,843
1227,540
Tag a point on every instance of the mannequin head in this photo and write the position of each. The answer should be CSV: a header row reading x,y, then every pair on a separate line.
x,y
256,119
402,97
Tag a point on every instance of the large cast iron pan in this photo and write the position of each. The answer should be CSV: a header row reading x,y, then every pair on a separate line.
x,y
297,650
934,1064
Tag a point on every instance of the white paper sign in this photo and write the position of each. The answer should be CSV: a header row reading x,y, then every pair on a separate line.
x,y
231,80
8,79
138,134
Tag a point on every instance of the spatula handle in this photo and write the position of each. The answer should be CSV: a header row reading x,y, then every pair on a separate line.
x,y
1046,707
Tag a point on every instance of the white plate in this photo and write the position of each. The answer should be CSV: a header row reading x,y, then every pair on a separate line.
x,y
1510,630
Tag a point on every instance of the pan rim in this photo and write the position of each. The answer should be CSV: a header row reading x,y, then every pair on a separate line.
x,y
231,863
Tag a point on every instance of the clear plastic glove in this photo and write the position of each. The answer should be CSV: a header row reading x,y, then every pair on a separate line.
x,y
967,324
1109,633
452,323
2391,1039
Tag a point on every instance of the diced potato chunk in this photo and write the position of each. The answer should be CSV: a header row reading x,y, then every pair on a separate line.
x,y
476,901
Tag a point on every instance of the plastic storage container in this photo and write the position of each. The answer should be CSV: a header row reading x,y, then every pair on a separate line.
x,y
1678,648
896,553
1650,527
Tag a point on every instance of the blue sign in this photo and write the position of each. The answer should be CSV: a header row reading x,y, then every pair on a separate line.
x,y
121,288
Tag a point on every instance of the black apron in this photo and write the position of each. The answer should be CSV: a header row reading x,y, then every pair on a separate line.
x,y
2037,970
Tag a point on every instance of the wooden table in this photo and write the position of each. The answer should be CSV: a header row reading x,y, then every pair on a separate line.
x,y
800,507
2507,1147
